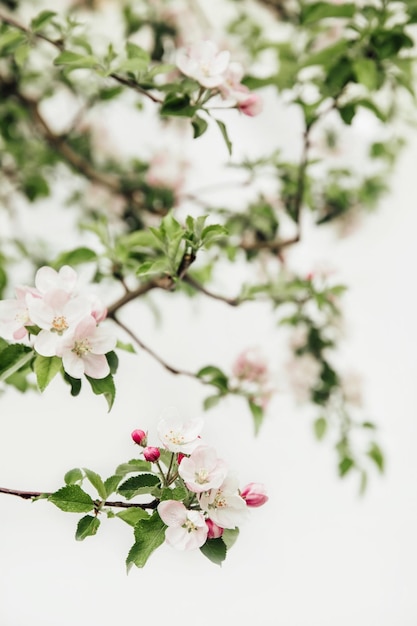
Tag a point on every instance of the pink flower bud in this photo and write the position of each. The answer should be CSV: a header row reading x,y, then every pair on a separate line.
x,y
139,437
252,105
214,531
180,457
254,494
151,454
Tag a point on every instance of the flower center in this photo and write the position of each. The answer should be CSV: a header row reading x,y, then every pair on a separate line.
x,y
189,525
59,324
202,476
81,347
219,501
176,438
22,317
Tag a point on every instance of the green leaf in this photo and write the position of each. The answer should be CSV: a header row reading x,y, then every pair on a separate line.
x,y
132,466
75,257
375,453
12,358
104,386
178,105
316,11
73,476
178,493
46,368
345,465
72,499
137,485
75,384
320,427
215,550
211,401
75,61
10,40
230,536
41,20
133,515
113,361
225,136
257,414
211,233
149,535
111,483
199,125
97,482
367,73
86,527
127,347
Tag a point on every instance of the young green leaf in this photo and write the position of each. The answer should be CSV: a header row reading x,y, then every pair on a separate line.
x,y
149,535
132,516
72,499
46,368
97,482
73,476
86,527
215,550
104,386
136,485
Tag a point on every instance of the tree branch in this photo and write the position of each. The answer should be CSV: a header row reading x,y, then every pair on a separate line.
x,y
31,495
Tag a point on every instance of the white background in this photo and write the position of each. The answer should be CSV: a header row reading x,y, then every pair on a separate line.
x,y
317,554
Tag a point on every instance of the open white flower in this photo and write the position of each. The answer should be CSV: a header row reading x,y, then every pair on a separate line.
x,y
84,351
204,62
187,529
224,505
178,436
202,470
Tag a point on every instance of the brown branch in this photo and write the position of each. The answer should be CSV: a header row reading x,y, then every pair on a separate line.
x,y
198,287
59,44
139,342
31,495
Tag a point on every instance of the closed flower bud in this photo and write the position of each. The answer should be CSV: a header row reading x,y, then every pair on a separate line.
x,y
254,494
139,437
180,457
151,454
214,531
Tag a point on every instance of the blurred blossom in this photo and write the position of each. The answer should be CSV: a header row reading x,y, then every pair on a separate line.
x,y
302,374
250,365
204,62
352,388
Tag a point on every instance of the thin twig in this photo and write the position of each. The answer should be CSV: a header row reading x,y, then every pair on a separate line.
x,y
198,287
31,495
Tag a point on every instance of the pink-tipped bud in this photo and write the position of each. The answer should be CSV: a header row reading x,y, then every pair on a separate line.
x,y
254,494
214,531
151,454
139,437
180,457
252,105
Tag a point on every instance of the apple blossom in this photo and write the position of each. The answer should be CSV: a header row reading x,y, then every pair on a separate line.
x,y
204,62
56,314
48,279
202,470
254,494
139,437
250,365
151,453
224,506
178,436
14,314
187,529
84,351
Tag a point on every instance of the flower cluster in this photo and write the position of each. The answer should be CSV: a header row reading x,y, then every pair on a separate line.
x,y
212,501
212,69
252,376
58,321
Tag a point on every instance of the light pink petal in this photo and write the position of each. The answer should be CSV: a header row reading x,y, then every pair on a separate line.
x,y
85,328
77,308
46,343
20,333
46,278
102,341
172,512
220,62
73,365
95,365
